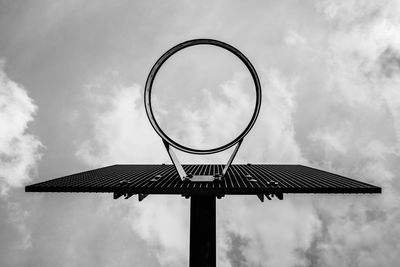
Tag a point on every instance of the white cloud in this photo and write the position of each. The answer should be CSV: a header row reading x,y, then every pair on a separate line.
x,y
222,119
272,231
19,150
17,217
19,156
276,231
357,134
293,38
163,222
121,132
273,138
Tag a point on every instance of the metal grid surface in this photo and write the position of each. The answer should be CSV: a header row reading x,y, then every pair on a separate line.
x,y
240,180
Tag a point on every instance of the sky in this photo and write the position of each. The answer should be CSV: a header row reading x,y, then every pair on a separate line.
x,y
72,75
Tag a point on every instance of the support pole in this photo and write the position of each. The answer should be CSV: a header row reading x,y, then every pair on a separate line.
x,y
202,231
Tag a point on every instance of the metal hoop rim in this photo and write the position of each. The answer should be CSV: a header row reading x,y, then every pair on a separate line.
x,y
161,61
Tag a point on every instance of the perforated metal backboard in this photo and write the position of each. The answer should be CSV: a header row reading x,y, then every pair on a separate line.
x,y
248,179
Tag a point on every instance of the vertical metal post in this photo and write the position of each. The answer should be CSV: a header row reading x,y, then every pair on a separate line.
x,y
202,231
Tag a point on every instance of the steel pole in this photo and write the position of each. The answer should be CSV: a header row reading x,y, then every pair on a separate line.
x,y
202,251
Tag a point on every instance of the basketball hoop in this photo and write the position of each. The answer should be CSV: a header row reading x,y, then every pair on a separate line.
x,y
169,141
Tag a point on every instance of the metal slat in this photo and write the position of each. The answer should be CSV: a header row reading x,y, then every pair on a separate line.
x,y
321,179
275,177
327,175
147,177
170,177
307,181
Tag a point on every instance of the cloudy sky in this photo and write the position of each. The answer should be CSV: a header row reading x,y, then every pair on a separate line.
x,y
71,98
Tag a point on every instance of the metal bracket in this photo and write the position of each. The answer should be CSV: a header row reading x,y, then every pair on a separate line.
x,y
128,195
199,178
117,195
142,196
175,161
231,158
270,196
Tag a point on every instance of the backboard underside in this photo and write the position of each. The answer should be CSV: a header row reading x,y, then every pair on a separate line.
x,y
247,179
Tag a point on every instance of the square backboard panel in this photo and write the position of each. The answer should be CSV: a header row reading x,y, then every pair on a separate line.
x,y
241,179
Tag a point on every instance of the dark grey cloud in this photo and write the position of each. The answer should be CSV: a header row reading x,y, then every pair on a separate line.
x,y
234,253
389,62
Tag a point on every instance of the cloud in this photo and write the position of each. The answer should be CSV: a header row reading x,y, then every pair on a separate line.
x,y
120,131
163,222
356,132
274,232
273,138
17,216
19,158
19,150
271,232
220,118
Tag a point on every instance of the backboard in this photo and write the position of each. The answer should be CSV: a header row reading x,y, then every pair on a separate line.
x,y
247,179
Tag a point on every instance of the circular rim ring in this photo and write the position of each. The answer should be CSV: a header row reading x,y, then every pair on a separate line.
x,y
160,62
